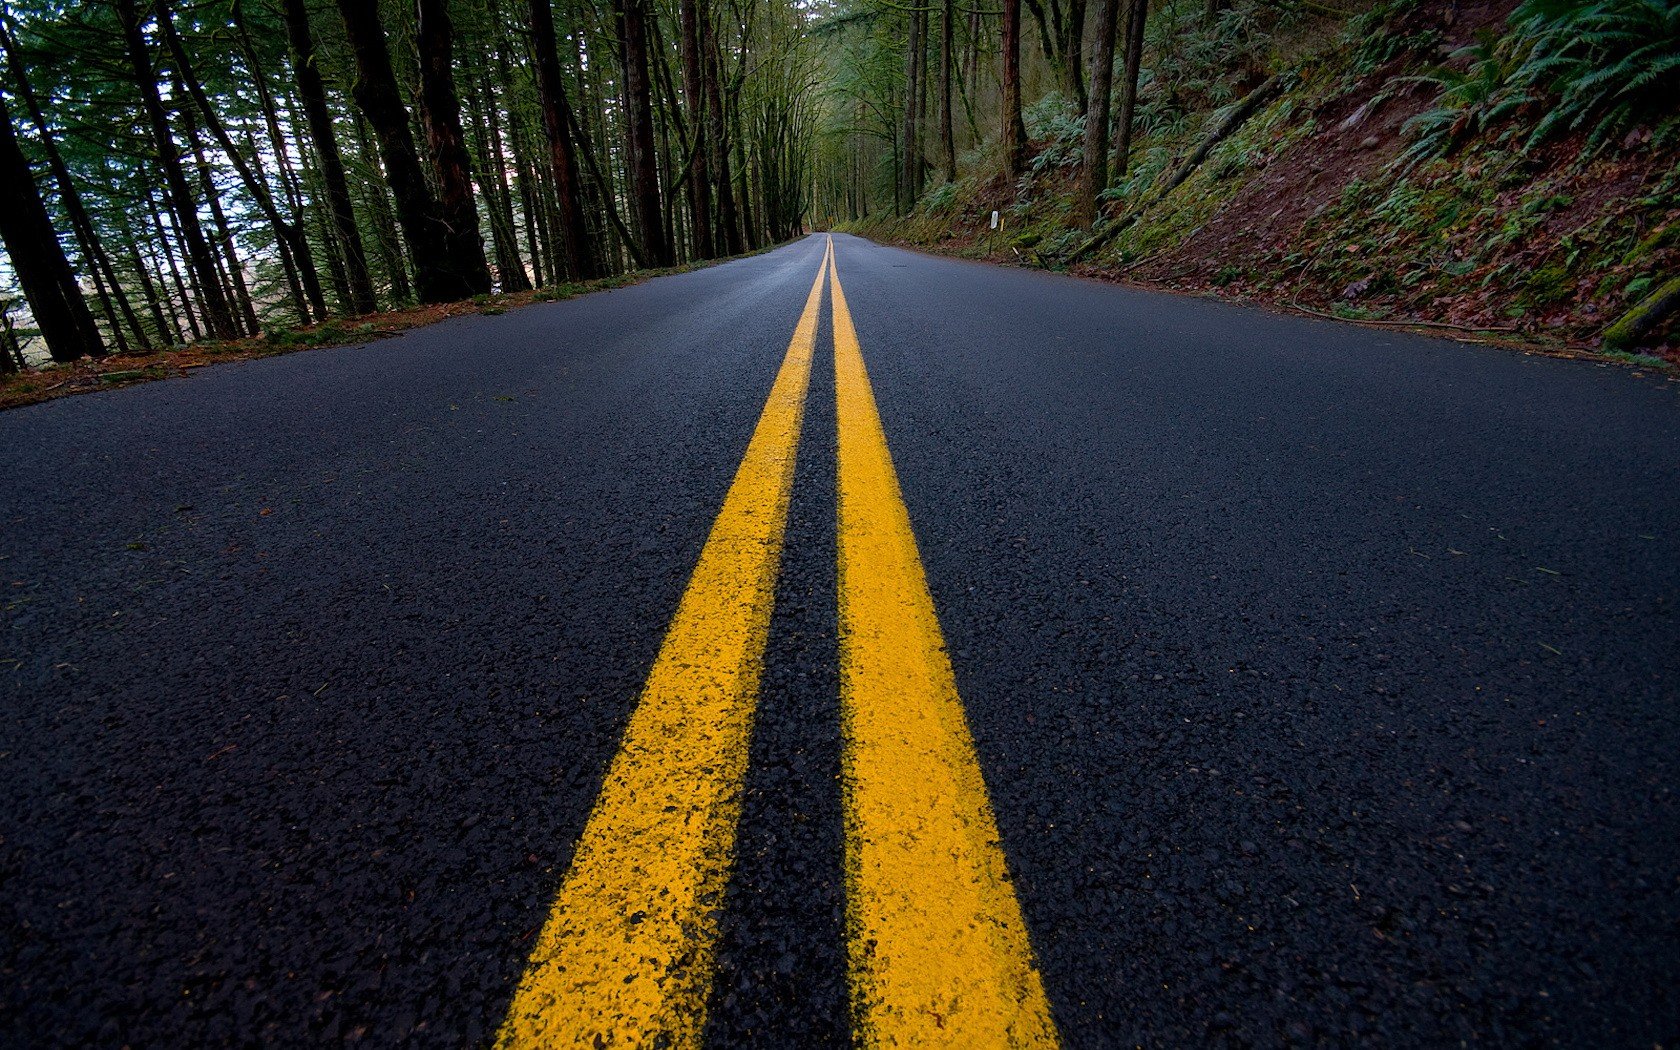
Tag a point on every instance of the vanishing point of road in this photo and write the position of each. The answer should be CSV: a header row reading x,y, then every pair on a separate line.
x,y
843,645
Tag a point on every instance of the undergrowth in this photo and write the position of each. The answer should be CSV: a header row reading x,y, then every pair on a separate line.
x,y
1559,66
1517,186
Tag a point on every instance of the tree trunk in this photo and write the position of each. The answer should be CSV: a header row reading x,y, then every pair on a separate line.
x,y
947,133
313,93
166,333
183,322
320,221
699,168
717,139
1647,315
294,248
1094,178
1049,35
439,275
509,265
295,257
1014,130
644,162
599,194
743,190
1073,55
672,144
55,299
238,293
1137,14
287,177
169,241
527,186
440,113
578,246
11,350
915,51
1235,117
386,239
94,254
969,84
200,260
604,169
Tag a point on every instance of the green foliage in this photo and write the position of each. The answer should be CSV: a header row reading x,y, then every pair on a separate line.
x,y
1601,67
1380,39
320,335
1052,116
1228,164
940,198
1647,360
1474,228
1193,63
1146,166
1473,99
1055,123
1608,65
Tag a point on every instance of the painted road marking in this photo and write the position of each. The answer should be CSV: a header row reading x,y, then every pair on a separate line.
x,y
938,950
626,955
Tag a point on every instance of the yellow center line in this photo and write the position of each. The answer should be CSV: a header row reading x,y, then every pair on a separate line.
x,y
625,957
938,951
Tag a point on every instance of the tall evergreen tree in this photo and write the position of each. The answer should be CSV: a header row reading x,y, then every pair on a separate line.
x,y
440,274
644,170
56,300
576,242
1137,14
312,92
1014,129
699,162
214,304
1093,178
440,112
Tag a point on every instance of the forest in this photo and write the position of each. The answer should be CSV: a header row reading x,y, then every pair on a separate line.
x,y
184,171
1508,170
206,171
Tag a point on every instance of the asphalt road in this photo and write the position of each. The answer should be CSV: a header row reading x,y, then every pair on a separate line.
x,y
1322,680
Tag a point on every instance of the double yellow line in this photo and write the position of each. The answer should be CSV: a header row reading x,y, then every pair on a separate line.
x,y
937,949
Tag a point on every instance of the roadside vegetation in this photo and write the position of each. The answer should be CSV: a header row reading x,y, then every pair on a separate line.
x,y
1510,169
217,178
109,371
197,180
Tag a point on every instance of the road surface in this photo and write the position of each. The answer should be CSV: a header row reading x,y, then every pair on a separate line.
x,y
846,646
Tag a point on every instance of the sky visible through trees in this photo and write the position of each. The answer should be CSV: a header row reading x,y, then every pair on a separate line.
x,y
212,169
185,170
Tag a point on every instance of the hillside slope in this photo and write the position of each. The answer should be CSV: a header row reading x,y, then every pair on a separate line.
x,y
1387,180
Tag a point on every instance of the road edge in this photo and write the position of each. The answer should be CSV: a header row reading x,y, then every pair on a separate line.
x,y
115,372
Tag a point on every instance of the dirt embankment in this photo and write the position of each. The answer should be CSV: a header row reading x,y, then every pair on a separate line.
x,y
1317,205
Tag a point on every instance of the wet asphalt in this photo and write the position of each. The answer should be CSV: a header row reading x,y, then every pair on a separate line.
x,y
1324,679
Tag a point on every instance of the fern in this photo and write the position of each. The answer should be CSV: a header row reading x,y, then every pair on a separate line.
x,y
1602,67
1608,65
1472,99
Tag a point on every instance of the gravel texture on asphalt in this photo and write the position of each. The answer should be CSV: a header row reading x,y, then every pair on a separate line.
x,y
1323,679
